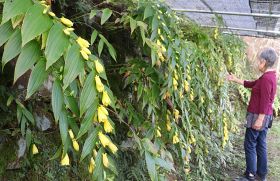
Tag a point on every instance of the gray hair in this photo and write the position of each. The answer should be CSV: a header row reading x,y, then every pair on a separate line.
x,y
269,55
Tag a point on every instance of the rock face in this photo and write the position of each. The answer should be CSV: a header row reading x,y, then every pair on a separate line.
x,y
255,46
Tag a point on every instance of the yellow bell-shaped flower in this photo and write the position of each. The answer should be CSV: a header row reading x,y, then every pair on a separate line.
x,y
76,145
65,161
98,66
186,86
106,99
66,22
113,148
67,31
91,165
105,160
168,125
34,149
176,114
99,85
103,109
84,55
104,139
86,50
175,139
107,126
101,114
82,42
71,134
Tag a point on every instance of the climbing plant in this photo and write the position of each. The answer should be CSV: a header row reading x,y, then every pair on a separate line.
x,y
177,112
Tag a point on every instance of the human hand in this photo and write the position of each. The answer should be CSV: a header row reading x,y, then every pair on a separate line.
x,y
258,124
231,77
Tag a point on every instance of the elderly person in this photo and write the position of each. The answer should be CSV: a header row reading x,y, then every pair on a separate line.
x,y
259,114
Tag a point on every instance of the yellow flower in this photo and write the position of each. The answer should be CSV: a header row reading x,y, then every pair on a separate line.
x,y
99,85
46,9
75,145
94,152
91,165
104,139
189,150
186,86
113,148
106,99
65,161
71,134
175,83
176,75
34,149
84,54
176,114
168,125
51,14
86,50
192,140
104,110
158,133
105,160
101,114
66,22
175,138
98,66
107,126
82,42
67,31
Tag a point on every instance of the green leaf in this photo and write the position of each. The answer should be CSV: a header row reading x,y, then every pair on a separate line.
x,y
6,30
35,23
13,8
88,94
112,52
29,55
151,166
28,137
133,24
37,77
93,36
87,121
74,65
10,100
63,126
155,23
112,165
106,14
164,164
57,153
12,48
57,43
89,144
92,13
57,99
17,20
98,170
100,46
71,102
148,12
28,116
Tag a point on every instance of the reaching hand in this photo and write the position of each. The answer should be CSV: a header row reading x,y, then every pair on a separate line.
x,y
231,77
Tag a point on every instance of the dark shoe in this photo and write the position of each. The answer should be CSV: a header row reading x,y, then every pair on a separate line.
x,y
250,177
261,178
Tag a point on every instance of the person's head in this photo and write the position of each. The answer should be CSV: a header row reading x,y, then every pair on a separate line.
x,y
267,59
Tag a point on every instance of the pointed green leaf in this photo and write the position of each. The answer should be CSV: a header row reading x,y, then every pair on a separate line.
x,y
93,36
57,99
74,65
98,170
28,137
88,94
16,7
35,23
87,121
148,12
92,13
12,48
89,144
37,77
57,43
100,46
150,166
29,55
106,14
71,102
28,116
6,30
133,24
112,52
63,127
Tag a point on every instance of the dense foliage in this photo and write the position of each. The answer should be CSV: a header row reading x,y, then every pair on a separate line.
x,y
163,98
